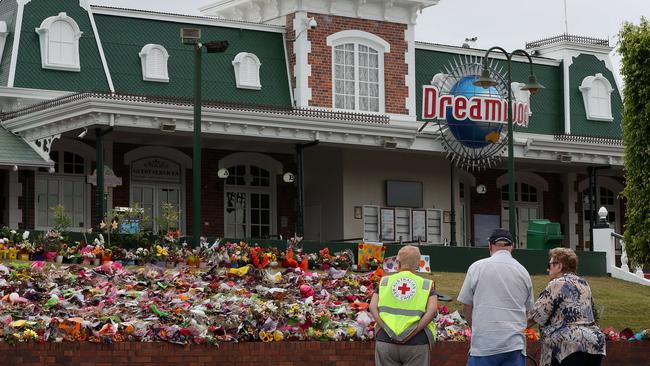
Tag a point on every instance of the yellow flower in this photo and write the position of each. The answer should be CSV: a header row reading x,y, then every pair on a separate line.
x,y
161,251
351,331
29,334
317,333
266,336
278,336
329,334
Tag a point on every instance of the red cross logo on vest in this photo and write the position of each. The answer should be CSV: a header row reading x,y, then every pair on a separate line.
x,y
403,289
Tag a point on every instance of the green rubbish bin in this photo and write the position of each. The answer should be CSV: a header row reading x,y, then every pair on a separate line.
x,y
543,234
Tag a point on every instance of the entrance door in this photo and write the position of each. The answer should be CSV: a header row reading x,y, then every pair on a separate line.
x,y
248,214
151,198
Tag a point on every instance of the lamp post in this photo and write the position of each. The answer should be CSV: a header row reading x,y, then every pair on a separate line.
x,y
192,36
532,86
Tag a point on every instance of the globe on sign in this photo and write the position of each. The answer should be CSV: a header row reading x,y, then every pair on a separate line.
x,y
472,134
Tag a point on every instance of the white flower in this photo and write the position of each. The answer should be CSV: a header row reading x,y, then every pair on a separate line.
x,y
13,232
101,238
26,235
2,241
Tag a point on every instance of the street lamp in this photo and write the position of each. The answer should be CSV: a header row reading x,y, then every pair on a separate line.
x,y
486,81
192,36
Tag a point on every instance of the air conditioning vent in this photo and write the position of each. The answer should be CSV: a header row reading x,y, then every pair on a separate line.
x,y
190,35
168,126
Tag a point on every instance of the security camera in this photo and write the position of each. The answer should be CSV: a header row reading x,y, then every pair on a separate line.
x,y
51,170
311,23
83,133
15,168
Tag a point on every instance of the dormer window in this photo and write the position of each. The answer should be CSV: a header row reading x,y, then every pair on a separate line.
x,y
154,63
597,95
247,71
358,70
59,38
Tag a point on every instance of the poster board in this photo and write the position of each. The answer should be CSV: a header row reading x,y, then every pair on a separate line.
x,y
483,227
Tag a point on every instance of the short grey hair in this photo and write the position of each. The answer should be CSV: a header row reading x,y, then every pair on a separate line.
x,y
409,258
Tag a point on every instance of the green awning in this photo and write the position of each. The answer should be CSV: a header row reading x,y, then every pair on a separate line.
x,y
15,151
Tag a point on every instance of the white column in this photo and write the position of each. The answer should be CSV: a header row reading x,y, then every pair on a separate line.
x,y
15,191
302,68
604,242
566,63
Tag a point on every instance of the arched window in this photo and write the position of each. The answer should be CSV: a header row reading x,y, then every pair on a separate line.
x,y
247,71
153,58
596,94
358,70
59,40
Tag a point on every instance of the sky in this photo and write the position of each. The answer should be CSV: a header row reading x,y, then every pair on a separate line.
x,y
506,23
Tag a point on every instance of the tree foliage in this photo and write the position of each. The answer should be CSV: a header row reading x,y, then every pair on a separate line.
x,y
634,46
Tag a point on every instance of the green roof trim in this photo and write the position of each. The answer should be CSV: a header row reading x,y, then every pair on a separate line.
x,y
30,74
8,12
123,38
14,150
589,65
546,105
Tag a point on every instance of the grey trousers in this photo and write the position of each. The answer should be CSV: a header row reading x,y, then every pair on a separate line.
x,y
389,354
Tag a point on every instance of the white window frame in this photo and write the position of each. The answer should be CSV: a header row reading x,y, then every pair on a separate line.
x,y
45,42
358,37
587,88
145,55
241,79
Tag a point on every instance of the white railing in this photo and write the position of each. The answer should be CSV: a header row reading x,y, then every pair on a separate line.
x,y
606,240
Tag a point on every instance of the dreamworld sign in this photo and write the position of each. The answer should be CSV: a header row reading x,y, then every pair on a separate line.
x,y
467,103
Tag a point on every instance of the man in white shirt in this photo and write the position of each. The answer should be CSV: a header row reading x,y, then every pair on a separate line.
x,y
496,296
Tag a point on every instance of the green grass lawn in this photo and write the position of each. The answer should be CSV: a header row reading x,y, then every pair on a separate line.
x,y
620,304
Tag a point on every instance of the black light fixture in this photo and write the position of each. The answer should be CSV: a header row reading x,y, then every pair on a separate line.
x,y
533,86
216,46
485,81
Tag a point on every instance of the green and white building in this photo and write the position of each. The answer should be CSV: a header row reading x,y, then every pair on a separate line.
x,y
345,74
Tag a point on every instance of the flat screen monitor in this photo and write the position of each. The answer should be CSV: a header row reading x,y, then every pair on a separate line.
x,y
401,193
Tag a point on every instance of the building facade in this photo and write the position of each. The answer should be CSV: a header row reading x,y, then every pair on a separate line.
x,y
327,90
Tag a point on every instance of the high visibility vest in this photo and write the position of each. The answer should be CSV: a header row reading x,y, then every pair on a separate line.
x,y
402,303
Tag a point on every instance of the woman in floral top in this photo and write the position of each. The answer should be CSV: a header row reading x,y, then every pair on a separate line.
x,y
565,313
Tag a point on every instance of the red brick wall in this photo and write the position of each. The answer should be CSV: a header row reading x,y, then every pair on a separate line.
x,y
212,189
320,58
257,353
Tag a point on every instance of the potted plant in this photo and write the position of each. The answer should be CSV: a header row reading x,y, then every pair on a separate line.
x,y
62,251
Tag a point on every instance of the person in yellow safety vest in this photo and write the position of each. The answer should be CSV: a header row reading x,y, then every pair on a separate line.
x,y
404,307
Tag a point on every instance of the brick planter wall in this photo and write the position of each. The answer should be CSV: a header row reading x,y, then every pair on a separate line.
x,y
256,353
